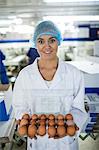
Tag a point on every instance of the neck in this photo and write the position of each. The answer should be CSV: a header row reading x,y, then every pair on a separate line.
x,y
48,64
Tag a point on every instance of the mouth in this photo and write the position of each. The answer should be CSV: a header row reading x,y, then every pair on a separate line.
x,y
47,51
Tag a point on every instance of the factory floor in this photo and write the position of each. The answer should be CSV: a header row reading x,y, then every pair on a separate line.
x,y
86,144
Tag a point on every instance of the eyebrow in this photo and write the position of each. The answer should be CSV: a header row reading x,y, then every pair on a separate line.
x,y
43,39
52,37
39,39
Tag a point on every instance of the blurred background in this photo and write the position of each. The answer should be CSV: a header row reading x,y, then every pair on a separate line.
x,y
78,21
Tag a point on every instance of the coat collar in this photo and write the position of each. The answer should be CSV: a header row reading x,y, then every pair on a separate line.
x,y
58,77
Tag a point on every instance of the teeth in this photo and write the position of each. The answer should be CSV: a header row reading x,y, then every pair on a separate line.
x,y
47,52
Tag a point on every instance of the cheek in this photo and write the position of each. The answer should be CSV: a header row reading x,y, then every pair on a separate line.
x,y
55,48
38,48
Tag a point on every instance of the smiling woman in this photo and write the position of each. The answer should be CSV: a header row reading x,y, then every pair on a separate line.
x,y
50,86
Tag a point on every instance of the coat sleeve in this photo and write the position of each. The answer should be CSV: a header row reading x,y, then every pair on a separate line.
x,y
19,102
78,109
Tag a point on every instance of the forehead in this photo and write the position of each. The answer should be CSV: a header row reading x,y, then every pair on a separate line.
x,y
45,37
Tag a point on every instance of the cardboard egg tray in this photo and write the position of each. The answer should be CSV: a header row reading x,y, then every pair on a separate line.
x,y
56,126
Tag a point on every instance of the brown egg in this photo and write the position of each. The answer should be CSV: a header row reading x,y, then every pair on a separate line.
x,y
34,117
68,117
70,122
42,122
51,131
51,117
42,117
22,130
32,130
41,130
71,130
51,122
60,117
33,122
24,122
60,122
26,116
61,131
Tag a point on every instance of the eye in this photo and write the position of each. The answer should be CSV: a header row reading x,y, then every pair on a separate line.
x,y
51,41
40,41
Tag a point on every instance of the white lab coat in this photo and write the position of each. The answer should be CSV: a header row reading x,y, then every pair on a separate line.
x,y
65,94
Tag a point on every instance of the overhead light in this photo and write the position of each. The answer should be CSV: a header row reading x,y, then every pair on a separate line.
x,y
32,23
5,22
10,21
18,21
22,29
25,15
72,18
65,1
61,21
11,17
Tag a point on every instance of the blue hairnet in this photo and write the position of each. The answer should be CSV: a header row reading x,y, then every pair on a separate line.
x,y
47,28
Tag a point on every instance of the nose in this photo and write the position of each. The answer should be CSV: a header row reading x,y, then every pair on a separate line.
x,y
47,44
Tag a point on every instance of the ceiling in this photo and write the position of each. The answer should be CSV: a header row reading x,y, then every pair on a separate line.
x,y
35,10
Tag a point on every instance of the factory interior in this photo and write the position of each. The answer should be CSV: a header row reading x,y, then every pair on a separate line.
x,y
78,21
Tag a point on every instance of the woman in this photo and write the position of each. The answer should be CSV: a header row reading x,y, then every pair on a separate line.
x,y
49,85
4,82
